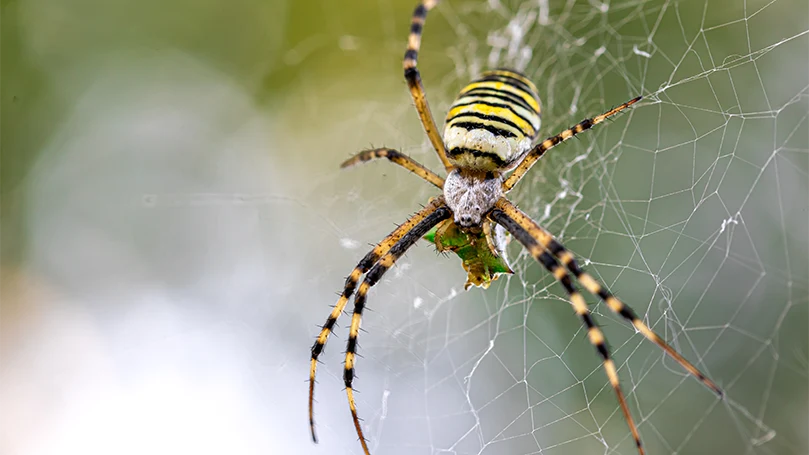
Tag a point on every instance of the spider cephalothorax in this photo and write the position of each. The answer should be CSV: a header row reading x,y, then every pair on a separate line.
x,y
471,194
487,147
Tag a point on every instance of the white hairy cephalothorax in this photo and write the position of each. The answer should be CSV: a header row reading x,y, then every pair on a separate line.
x,y
470,196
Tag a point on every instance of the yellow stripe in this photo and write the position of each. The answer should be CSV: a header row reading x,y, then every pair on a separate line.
x,y
589,283
413,41
387,261
645,330
612,374
566,258
504,113
312,369
596,337
615,304
355,274
520,109
504,87
355,323
578,304
351,404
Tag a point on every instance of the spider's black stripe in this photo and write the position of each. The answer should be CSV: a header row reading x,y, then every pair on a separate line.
x,y
472,125
317,348
512,73
499,94
376,272
514,82
420,11
585,124
352,343
555,248
510,107
542,147
498,161
482,116
416,27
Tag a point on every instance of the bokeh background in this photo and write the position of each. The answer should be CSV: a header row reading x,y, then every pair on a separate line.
x,y
175,227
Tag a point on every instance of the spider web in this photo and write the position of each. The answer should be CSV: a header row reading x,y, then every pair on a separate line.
x,y
182,239
692,208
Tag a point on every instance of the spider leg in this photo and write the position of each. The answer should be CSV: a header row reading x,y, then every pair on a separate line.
x,y
398,158
374,275
413,78
488,232
534,246
350,285
566,258
536,153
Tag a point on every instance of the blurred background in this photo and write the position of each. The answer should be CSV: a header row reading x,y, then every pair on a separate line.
x,y
175,228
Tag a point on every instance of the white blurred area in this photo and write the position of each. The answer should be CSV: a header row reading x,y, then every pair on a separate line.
x,y
185,244
145,319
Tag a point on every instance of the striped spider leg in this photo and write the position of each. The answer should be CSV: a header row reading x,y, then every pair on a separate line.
x,y
373,276
536,153
413,77
401,237
490,130
549,252
395,157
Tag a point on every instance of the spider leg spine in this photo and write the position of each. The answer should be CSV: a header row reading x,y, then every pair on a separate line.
x,y
625,311
536,153
413,78
348,290
371,278
595,335
588,282
396,157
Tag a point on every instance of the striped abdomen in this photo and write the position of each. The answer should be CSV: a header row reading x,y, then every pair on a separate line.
x,y
493,122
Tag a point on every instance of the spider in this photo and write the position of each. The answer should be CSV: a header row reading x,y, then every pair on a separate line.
x,y
489,132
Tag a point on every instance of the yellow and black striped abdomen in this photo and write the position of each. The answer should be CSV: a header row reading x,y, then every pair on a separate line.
x,y
493,122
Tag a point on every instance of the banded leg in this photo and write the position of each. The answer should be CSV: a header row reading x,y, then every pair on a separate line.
x,y
351,283
579,306
413,78
566,258
536,153
373,276
398,158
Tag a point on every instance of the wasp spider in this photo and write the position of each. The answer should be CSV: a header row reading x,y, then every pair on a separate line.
x,y
489,132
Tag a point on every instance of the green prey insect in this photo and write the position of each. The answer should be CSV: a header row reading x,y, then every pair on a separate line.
x,y
482,256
